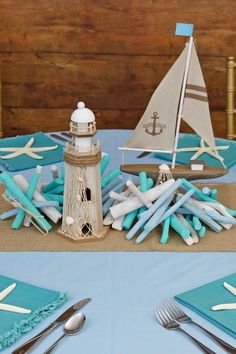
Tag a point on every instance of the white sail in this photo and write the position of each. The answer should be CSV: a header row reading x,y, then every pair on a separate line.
x,y
196,108
156,129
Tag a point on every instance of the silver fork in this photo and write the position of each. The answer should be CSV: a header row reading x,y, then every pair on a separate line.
x,y
180,316
168,322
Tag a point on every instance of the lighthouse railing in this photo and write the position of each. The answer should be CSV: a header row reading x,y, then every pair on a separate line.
x,y
70,147
82,129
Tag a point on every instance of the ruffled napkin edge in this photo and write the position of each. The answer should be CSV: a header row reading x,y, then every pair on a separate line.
x,y
24,326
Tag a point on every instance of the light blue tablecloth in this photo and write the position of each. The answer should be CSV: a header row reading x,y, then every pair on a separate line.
x,y
125,287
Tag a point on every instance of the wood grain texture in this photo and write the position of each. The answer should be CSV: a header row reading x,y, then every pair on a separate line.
x,y
104,82
111,54
48,119
115,26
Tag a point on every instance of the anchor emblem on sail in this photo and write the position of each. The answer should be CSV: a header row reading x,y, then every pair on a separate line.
x,y
156,128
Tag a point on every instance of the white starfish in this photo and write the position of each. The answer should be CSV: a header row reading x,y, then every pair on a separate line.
x,y
203,149
27,149
230,306
11,308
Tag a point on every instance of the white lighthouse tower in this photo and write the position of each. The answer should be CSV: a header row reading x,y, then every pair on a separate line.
x,y
82,209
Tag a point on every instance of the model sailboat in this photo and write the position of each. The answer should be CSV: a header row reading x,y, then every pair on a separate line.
x,y
180,95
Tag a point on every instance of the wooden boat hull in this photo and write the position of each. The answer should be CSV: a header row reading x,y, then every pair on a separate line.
x,y
180,171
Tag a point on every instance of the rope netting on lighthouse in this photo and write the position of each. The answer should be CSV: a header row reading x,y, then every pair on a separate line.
x,y
77,204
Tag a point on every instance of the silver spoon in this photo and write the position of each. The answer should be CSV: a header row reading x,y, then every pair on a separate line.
x,y
72,326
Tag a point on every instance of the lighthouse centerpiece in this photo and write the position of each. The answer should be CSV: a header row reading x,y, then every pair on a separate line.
x,y
82,210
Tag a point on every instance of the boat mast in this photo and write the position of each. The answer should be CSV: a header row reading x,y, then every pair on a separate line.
x,y
181,103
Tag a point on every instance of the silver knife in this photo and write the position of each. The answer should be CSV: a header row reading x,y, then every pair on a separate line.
x,y
30,344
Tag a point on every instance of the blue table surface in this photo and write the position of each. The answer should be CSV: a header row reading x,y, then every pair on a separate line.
x,y
125,287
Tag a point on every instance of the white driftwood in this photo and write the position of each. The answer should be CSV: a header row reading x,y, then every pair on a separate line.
x,y
134,203
210,207
108,220
219,207
138,194
55,171
118,223
116,196
51,212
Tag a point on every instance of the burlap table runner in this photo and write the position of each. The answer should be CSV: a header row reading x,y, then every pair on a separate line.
x,y
29,239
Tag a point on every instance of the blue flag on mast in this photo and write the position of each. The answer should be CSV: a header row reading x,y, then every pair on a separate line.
x,y
184,29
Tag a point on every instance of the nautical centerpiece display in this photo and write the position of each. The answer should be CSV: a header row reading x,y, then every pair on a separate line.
x,y
82,208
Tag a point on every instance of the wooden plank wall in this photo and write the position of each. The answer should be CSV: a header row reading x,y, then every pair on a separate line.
x,y
109,53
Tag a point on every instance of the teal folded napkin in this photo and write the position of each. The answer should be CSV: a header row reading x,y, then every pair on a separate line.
x,y
24,162
203,298
192,140
42,302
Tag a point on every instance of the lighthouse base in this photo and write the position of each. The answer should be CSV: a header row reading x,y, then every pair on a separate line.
x,y
84,238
